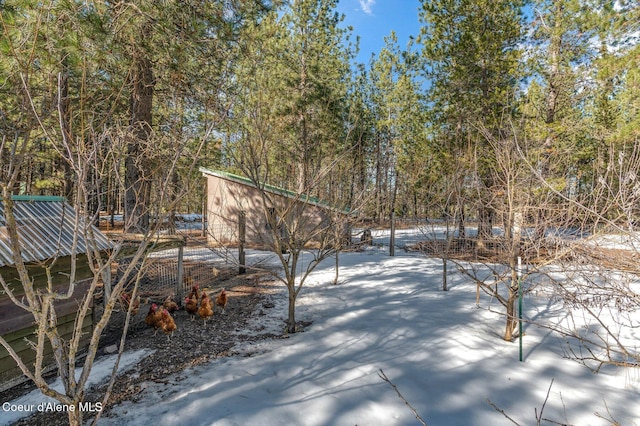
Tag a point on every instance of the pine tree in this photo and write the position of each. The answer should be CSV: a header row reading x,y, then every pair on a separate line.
x,y
399,136
289,122
470,53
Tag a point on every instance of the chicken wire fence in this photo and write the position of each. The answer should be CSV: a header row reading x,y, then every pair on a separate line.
x,y
160,273
431,237
437,238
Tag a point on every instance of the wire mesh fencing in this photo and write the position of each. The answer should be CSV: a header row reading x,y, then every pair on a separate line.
x,y
175,271
441,238
409,236
446,239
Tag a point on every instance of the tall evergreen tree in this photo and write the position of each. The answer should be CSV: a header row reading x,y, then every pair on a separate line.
x,y
471,57
470,52
559,48
168,48
311,83
289,122
399,137
362,133
82,78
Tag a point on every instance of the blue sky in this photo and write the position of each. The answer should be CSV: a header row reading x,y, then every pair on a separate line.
x,y
373,20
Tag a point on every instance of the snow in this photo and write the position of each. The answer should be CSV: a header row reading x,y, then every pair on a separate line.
x,y
101,371
443,353
628,241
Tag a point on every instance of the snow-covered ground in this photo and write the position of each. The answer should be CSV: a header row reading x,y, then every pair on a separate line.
x,y
35,401
443,353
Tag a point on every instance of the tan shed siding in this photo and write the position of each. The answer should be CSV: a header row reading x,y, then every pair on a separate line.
x,y
228,195
226,200
222,228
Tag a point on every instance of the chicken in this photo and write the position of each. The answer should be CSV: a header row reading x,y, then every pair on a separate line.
x,y
170,304
191,305
153,317
221,300
195,292
167,324
125,301
206,307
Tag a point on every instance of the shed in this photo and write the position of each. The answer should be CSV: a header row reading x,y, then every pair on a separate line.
x,y
47,227
229,196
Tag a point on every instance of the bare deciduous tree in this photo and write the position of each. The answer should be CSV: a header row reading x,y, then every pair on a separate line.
x,y
594,269
90,142
302,231
84,157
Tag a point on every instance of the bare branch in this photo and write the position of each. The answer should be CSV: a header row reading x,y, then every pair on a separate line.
x,y
413,410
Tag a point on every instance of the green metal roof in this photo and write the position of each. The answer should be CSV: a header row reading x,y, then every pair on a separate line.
x,y
52,198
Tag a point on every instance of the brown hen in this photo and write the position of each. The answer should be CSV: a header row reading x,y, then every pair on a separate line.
x,y
206,307
222,300
167,324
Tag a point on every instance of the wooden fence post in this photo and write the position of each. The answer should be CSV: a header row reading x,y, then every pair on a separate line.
x,y
242,233
180,274
392,238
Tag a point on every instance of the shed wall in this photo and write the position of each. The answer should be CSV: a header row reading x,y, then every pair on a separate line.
x,y
226,199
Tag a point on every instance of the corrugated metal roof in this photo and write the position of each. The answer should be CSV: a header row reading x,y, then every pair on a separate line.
x,y
46,226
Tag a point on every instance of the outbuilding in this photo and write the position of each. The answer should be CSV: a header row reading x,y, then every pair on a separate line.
x,y
231,197
47,228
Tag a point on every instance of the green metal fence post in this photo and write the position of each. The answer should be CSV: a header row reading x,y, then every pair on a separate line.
x,y
520,304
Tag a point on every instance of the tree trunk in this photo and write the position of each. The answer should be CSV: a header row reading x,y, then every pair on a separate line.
x,y
445,255
65,120
75,415
512,314
461,231
378,185
485,223
291,320
137,175
444,272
